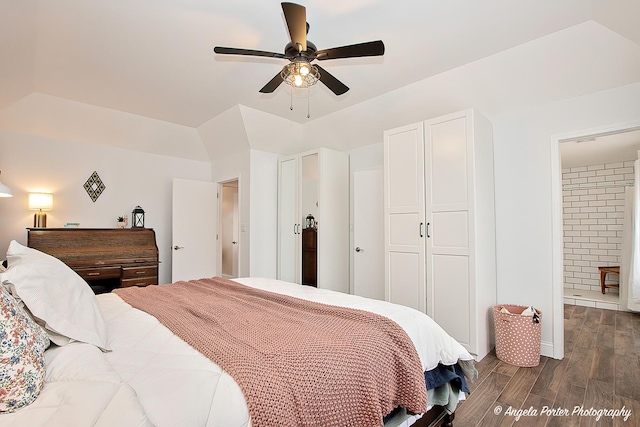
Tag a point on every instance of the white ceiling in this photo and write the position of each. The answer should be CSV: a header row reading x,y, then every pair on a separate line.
x,y
598,150
154,58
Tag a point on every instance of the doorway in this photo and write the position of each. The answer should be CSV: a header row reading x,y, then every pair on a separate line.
x,y
229,229
596,171
591,137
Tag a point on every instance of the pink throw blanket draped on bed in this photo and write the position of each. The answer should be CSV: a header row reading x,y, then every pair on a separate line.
x,y
297,362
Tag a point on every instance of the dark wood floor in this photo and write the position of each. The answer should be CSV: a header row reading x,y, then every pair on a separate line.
x,y
600,370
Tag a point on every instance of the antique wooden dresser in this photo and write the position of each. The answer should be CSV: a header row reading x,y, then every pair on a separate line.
x,y
106,258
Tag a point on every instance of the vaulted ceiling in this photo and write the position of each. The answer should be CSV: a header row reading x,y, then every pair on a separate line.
x,y
155,58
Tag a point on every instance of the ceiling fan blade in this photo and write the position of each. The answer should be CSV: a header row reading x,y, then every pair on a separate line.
x,y
296,17
331,82
273,84
247,52
375,48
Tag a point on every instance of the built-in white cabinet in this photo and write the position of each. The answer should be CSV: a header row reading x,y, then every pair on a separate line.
x,y
440,224
314,183
404,216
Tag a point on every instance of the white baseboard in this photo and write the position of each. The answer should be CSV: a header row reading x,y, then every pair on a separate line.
x,y
546,349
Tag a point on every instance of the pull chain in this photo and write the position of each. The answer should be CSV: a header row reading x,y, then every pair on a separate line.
x,y
291,102
308,102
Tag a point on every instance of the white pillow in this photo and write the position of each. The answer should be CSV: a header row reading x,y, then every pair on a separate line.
x,y
56,296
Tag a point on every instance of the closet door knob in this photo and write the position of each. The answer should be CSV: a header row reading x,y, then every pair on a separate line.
x,y
359,249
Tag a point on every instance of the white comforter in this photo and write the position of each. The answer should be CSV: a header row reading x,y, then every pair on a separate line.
x,y
151,371
81,389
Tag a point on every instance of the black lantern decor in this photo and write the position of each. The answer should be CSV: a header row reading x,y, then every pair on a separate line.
x,y
137,216
310,222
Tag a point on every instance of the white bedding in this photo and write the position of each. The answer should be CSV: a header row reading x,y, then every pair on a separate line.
x,y
174,384
81,389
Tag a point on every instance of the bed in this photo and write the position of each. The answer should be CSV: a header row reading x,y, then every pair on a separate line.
x,y
136,372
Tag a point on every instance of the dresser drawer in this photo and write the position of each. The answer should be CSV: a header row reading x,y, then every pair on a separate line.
x,y
98,273
141,281
138,272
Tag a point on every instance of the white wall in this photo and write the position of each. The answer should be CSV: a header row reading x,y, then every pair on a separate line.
x,y
31,163
21,30
367,157
52,117
264,214
593,205
522,154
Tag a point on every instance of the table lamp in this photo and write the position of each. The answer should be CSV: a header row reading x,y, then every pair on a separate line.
x,y
40,202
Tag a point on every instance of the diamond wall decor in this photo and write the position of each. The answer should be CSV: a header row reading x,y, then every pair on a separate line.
x,y
94,186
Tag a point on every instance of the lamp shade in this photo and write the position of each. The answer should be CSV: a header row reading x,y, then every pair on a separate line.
x,y
40,201
5,191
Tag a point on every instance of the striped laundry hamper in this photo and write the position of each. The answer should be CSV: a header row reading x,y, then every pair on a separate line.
x,y
517,336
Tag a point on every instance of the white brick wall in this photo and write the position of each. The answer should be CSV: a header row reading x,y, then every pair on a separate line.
x,y
593,209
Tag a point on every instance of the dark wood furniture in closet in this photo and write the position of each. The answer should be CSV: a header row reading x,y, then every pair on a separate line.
x,y
106,258
310,257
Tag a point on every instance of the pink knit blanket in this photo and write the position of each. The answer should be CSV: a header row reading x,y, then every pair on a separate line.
x,y
298,363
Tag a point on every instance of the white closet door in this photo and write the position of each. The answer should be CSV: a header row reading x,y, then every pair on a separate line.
x,y
368,221
449,218
404,216
288,224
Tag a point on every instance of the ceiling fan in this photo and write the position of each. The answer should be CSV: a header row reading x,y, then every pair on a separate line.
x,y
301,52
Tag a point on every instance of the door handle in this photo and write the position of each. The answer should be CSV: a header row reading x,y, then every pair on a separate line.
x,y
359,249
176,247
235,243
421,233
428,235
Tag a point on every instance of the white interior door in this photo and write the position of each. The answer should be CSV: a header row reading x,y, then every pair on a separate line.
x,y
227,233
288,228
368,233
194,225
236,234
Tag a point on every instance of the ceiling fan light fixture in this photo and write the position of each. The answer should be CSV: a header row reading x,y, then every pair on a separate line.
x,y
300,74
